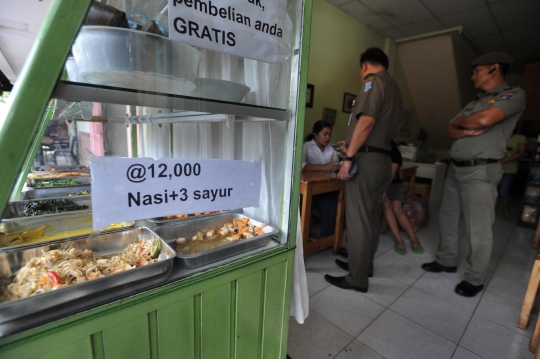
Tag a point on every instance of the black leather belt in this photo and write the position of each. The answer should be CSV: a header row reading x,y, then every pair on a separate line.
x,y
368,149
476,162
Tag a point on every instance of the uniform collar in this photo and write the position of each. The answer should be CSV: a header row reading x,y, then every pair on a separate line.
x,y
314,144
382,72
494,91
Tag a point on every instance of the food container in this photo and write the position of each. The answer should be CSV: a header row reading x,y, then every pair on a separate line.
x,y
84,180
14,210
189,218
225,249
54,192
59,225
58,174
59,169
219,90
104,245
135,60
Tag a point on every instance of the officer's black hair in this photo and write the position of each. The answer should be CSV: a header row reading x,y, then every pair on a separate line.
x,y
317,127
504,68
374,56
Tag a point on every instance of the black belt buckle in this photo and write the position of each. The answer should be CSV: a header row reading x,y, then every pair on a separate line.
x,y
371,149
477,162
464,163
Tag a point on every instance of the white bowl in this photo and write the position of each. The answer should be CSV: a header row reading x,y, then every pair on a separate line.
x,y
135,60
219,90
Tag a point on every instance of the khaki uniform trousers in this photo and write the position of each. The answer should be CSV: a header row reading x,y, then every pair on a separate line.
x,y
363,195
470,192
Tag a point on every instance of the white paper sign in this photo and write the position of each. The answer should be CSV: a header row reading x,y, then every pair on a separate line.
x,y
255,29
126,189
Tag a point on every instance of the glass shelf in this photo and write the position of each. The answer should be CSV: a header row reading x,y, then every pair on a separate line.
x,y
76,92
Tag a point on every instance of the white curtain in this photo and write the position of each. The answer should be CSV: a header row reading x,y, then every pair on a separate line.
x,y
269,87
269,83
154,140
244,141
299,294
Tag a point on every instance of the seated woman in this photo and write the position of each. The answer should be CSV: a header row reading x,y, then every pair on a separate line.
x,y
318,155
393,200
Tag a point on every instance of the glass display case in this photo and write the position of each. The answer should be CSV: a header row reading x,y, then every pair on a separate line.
x,y
207,101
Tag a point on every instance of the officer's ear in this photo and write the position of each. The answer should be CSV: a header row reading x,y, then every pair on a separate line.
x,y
493,70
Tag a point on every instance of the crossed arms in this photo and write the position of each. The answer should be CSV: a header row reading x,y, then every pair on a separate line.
x,y
475,124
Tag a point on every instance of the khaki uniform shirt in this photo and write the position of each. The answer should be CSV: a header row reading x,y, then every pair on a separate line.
x,y
379,98
492,143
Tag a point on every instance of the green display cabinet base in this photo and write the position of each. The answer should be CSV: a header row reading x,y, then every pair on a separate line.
x,y
240,314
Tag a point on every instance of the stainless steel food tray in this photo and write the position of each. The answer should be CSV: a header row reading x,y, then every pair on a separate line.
x,y
55,178
81,181
59,226
59,169
104,245
53,192
169,233
14,210
190,218
84,170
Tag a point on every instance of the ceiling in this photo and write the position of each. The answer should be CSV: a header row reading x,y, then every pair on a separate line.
x,y
495,25
505,25
19,24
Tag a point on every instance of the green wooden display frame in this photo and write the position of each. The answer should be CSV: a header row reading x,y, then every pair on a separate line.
x,y
24,125
34,87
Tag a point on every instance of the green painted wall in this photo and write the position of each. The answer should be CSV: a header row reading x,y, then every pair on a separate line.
x,y
337,40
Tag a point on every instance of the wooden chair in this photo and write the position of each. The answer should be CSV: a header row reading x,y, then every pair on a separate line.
x,y
73,150
528,303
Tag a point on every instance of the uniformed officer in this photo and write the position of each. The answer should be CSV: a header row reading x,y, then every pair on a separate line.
x,y
480,131
373,124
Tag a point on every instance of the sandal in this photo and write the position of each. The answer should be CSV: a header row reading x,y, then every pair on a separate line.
x,y
417,248
400,249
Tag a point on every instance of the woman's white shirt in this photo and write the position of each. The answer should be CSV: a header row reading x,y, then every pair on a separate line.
x,y
312,154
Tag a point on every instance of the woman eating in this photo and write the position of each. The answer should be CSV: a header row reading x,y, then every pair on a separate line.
x,y
318,155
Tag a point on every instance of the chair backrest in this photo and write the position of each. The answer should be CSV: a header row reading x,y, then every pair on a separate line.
x,y
74,143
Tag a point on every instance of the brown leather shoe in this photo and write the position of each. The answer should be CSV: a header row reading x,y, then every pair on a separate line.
x,y
341,282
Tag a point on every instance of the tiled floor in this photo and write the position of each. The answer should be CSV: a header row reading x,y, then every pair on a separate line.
x,y
409,313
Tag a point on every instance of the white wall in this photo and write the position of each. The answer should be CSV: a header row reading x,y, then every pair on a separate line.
x,y
430,69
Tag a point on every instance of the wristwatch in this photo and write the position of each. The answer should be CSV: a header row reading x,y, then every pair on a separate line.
x,y
347,158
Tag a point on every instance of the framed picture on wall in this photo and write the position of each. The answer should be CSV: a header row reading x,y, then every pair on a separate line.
x,y
349,100
329,115
309,95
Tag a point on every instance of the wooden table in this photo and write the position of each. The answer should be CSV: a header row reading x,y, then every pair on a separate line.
x,y
313,183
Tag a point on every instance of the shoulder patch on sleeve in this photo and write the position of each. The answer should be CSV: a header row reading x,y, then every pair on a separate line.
x,y
368,86
506,95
